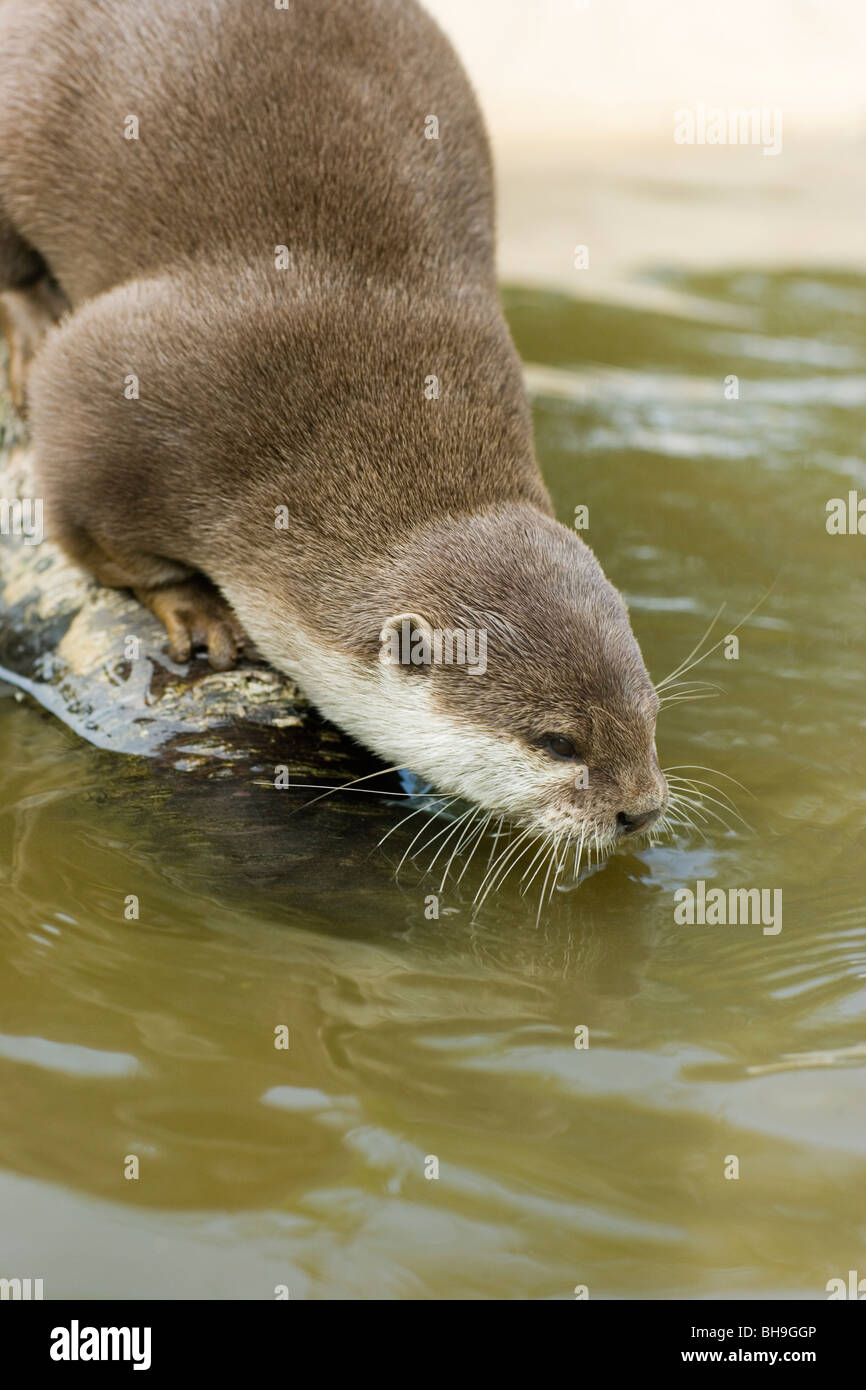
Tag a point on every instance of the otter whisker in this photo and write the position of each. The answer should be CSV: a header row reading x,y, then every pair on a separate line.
x,y
493,866
560,863
679,685
360,791
461,840
683,668
404,820
470,841
444,803
699,795
458,828
448,826
329,791
684,821
699,767
515,861
545,843
706,815
684,699
694,807
494,840
504,862
542,857
578,852
701,806
677,814
698,787
685,784
478,840
702,782
674,813
709,816
551,861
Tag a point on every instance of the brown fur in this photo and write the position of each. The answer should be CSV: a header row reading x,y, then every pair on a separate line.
x,y
258,386
302,387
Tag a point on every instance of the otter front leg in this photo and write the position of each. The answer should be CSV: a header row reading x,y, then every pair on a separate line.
x,y
115,498
190,608
194,614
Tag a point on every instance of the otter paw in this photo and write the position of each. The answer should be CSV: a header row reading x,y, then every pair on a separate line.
x,y
195,615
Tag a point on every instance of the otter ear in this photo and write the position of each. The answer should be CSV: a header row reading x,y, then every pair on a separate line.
x,y
406,644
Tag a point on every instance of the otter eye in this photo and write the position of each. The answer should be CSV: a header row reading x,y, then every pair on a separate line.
x,y
560,747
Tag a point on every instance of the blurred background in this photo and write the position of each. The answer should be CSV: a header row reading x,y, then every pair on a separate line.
x,y
580,100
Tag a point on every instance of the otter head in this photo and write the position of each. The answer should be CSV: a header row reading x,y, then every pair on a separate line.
x,y
509,676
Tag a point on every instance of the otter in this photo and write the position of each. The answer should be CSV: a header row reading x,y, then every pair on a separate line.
x,y
248,275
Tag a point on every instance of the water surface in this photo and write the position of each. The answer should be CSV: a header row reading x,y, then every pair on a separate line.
x,y
413,1038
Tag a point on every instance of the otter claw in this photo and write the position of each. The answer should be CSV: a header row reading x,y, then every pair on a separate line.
x,y
195,616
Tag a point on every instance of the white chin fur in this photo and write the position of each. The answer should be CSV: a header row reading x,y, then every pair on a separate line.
x,y
392,712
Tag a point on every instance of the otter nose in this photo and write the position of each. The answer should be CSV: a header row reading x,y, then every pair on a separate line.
x,y
630,824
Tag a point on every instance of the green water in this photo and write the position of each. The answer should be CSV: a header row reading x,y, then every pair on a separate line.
x,y
413,1038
